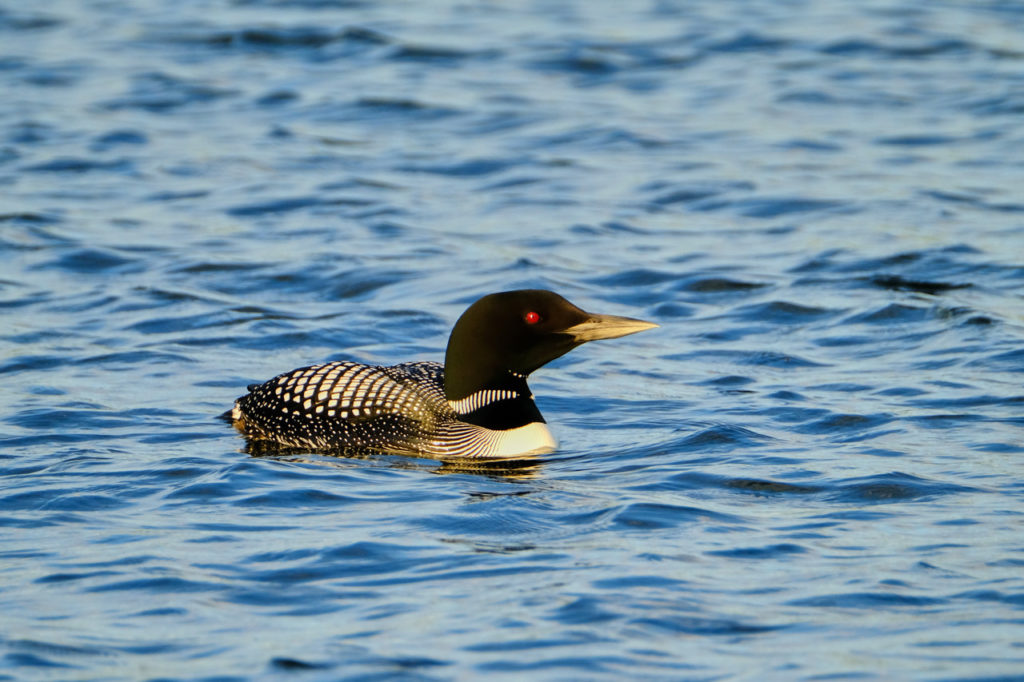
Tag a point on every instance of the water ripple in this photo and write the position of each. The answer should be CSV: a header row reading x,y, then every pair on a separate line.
x,y
812,463
894,487
643,515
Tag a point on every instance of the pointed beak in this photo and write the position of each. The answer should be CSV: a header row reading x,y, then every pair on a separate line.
x,y
606,327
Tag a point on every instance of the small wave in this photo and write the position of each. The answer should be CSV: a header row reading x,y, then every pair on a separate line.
x,y
305,4
158,585
584,610
468,168
719,285
1014,599
118,138
694,625
199,492
848,427
893,487
781,312
32,363
73,577
275,207
973,200
598,138
584,60
720,435
295,499
1006,361
402,107
775,207
923,50
433,53
892,313
966,403
746,41
778,551
762,487
294,664
71,416
26,21
267,38
685,196
868,600
589,665
160,93
81,165
635,278
93,261
898,283
649,516
62,500
916,140
30,218
760,358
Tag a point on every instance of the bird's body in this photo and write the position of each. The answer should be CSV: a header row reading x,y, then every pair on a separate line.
x,y
476,405
400,409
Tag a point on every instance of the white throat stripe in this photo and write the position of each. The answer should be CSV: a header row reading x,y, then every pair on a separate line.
x,y
481,399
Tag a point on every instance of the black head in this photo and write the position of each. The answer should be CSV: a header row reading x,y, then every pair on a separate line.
x,y
516,332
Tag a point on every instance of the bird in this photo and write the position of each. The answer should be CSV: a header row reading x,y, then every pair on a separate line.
x,y
477,405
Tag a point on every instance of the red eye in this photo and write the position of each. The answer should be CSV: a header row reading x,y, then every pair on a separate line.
x,y
531,317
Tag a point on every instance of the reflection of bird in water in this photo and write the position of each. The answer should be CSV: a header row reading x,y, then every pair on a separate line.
x,y
517,469
475,407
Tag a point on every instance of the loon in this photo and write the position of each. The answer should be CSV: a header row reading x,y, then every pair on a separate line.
x,y
476,405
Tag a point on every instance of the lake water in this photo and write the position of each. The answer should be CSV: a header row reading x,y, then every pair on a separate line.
x,y
814,469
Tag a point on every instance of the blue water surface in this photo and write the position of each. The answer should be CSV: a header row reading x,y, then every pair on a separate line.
x,y
813,470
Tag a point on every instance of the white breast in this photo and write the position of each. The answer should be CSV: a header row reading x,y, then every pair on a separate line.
x,y
531,439
457,439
